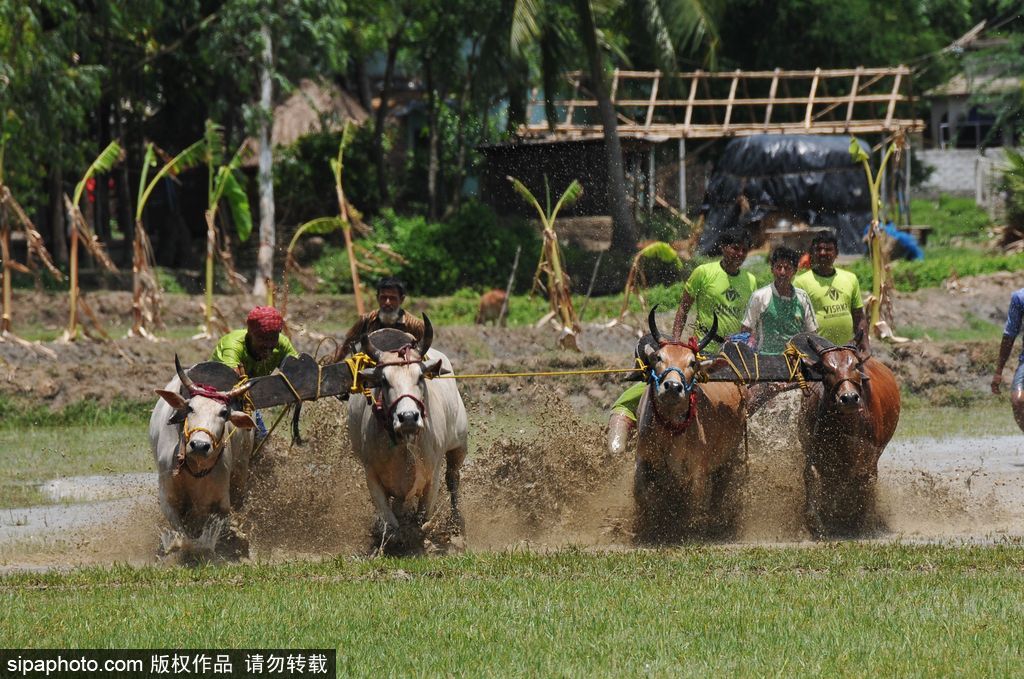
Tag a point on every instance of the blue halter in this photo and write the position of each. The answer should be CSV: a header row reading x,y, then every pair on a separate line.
x,y
656,379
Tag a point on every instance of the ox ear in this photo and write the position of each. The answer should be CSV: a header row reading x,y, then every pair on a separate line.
x,y
241,419
173,398
369,377
433,369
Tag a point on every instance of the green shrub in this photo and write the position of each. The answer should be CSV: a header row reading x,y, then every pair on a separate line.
x,y
470,249
950,218
938,265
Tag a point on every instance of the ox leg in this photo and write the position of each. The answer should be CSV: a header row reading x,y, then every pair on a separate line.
x,y
380,500
453,479
812,510
658,517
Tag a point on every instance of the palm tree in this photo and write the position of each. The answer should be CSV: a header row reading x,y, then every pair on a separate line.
x,y
673,26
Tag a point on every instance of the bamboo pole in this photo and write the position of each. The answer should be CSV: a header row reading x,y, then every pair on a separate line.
x,y
211,247
72,330
5,253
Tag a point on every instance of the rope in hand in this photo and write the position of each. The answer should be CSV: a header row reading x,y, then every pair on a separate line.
x,y
793,357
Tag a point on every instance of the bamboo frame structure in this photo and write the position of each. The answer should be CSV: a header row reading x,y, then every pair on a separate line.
x,y
647,102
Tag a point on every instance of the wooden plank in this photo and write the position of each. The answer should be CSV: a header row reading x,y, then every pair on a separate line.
x,y
892,103
771,97
689,102
810,99
854,91
830,73
654,97
572,103
710,131
732,97
740,101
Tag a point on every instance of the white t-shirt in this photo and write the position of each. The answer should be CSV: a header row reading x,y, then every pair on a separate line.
x,y
767,328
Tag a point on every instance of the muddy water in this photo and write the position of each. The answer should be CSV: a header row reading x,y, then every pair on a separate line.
x,y
549,485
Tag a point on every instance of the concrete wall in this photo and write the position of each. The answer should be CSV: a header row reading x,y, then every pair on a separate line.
x,y
958,171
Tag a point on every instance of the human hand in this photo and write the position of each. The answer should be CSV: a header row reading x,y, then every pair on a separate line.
x,y
997,380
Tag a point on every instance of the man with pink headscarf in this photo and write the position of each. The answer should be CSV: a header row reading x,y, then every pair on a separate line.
x,y
258,348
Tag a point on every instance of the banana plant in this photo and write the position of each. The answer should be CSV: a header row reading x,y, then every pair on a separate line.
x,y
878,266
145,288
80,232
223,184
636,281
550,262
348,215
36,250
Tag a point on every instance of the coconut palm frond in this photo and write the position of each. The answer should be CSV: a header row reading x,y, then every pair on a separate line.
x,y
104,162
525,29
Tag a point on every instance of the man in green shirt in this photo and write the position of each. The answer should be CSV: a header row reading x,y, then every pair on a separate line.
x,y
714,288
835,295
258,348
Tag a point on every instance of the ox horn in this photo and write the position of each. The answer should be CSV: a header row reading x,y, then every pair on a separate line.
x,y
239,390
652,323
428,337
186,381
711,334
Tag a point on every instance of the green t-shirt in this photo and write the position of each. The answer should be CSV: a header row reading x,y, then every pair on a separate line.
x,y
834,298
232,352
716,292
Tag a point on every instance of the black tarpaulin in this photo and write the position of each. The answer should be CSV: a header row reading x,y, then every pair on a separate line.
x,y
811,176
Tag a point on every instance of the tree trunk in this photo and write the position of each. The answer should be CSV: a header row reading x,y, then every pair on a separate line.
x,y
58,234
464,97
363,83
381,116
125,213
268,238
432,162
623,228
516,83
102,193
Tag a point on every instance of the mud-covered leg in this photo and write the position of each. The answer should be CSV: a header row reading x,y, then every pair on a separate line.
x,y
812,508
453,479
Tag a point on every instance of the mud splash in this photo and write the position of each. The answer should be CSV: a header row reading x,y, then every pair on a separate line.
x,y
537,476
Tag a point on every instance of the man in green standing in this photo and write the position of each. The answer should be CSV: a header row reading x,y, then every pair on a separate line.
x,y
835,295
716,288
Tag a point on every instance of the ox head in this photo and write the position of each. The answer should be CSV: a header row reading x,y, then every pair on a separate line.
x,y
674,366
842,375
400,381
204,416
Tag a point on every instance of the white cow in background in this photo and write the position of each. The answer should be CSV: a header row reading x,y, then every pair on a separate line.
x,y
201,446
413,425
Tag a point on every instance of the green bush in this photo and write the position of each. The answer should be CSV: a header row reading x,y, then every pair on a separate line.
x,y
470,249
950,218
937,267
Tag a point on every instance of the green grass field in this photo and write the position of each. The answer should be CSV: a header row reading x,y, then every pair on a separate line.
x,y
847,609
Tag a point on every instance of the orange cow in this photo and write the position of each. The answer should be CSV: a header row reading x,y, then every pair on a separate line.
x,y
490,307
848,418
688,443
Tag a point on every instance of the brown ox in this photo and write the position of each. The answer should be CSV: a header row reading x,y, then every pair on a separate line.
x,y
688,442
490,308
848,418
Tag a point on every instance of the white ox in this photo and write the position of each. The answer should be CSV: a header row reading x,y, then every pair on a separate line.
x,y
402,438
201,446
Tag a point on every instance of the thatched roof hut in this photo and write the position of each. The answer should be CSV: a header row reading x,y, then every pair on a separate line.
x,y
312,107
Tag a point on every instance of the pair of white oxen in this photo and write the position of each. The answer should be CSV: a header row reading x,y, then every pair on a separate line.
x,y
202,441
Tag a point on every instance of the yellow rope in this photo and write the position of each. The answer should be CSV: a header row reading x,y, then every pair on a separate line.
x,y
793,357
603,371
357,362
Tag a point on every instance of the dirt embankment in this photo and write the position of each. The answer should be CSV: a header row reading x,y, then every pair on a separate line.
x,y
943,372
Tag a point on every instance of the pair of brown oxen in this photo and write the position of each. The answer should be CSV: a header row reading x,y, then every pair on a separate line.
x,y
691,433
